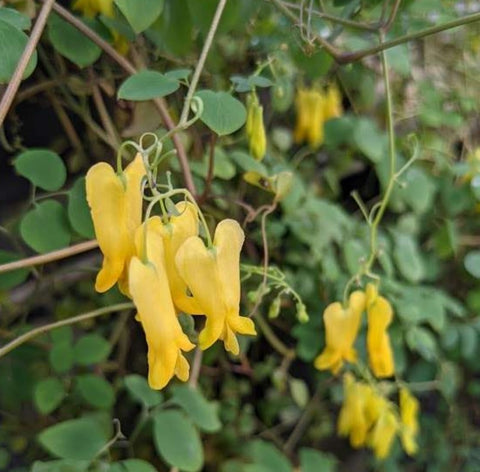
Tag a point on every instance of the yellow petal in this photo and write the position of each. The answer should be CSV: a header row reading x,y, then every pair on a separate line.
x,y
409,408
333,103
134,174
197,266
165,338
380,353
106,198
383,433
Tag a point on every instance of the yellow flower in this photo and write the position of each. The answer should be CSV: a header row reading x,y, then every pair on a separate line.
x,y
213,277
150,292
116,207
333,103
409,416
255,128
359,411
379,314
174,233
341,326
90,8
383,433
310,117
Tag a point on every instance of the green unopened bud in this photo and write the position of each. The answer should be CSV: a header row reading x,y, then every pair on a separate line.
x,y
274,309
302,314
283,184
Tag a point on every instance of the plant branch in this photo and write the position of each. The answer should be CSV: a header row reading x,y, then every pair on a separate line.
x,y
201,60
58,324
49,257
14,84
393,14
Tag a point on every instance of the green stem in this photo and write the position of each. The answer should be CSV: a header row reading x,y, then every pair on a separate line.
x,y
272,338
48,327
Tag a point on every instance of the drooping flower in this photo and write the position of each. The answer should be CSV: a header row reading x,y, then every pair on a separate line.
x,y
116,207
409,417
213,277
309,105
255,128
148,284
333,103
379,315
341,326
90,8
359,411
384,431
174,233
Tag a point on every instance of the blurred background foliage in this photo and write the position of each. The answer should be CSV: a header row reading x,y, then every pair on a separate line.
x,y
66,394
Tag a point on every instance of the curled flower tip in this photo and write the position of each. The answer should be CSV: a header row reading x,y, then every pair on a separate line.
x,y
213,277
341,327
156,312
116,209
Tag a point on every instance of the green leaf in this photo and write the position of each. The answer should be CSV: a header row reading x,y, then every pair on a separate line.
x,y
178,74
48,395
61,357
78,210
421,340
177,441
370,140
71,43
45,228
223,167
42,167
312,460
60,466
11,279
247,163
15,18
132,465
418,190
95,390
91,349
141,392
79,439
268,457
12,44
407,257
203,413
222,113
145,85
354,253
472,263
202,15
140,13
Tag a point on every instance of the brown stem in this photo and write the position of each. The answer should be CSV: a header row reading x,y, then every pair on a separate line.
x,y
393,14
16,79
49,257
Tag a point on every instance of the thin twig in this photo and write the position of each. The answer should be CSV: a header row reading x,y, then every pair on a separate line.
x,y
196,366
49,257
16,79
57,324
393,14
201,60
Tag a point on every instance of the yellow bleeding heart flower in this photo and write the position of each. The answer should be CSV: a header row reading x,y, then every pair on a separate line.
x,y
213,277
379,315
255,128
341,326
333,103
174,233
409,417
150,292
310,104
116,207
383,433
90,8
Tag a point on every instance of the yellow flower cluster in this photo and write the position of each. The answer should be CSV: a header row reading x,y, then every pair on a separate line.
x,y
255,128
166,268
342,325
369,419
314,107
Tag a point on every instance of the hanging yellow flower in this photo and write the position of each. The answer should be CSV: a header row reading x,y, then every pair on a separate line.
x,y
213,277
379,314
90,8
409,417
384,431
341,326
116,207
332,103
174,233
149,287
255,128
310,106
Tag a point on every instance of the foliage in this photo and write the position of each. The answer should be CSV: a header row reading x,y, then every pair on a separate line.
x,y
381,188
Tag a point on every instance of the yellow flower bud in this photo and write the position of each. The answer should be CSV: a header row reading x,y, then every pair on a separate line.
x,y
384,431
255,128
409,416
333,103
